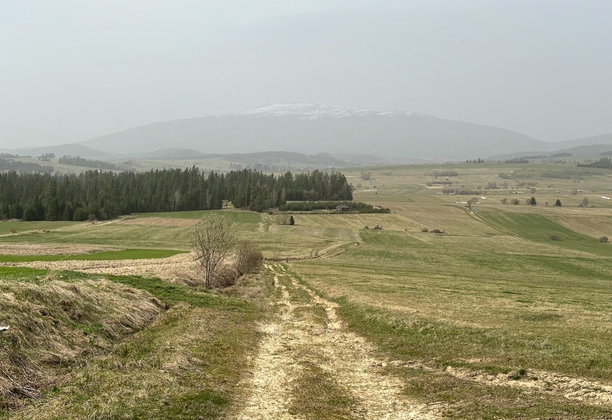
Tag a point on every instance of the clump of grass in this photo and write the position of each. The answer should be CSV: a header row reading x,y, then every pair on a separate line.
x,y
316,395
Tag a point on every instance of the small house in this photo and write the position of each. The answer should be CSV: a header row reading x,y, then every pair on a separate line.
x,y
342,208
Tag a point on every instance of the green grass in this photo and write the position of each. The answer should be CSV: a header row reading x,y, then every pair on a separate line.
x,y
126,254
21,273
537,228
316,395
113,234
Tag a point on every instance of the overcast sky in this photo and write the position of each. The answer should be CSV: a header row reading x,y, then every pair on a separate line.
x,y
71,70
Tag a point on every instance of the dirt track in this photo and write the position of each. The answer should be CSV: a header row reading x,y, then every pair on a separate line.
x,y
291,342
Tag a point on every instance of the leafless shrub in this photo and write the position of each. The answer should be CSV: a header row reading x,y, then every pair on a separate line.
x,y
224,277
248,258
285,219
603,239
554,238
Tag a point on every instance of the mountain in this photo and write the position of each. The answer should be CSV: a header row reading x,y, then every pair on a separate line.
x,y
312,128
71,149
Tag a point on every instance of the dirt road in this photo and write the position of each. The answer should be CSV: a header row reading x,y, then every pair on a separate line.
x,y
297,338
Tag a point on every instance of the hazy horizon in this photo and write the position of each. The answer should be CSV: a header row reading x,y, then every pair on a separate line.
x,y
74,71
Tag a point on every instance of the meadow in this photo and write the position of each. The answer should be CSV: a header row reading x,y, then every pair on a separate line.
x,y
505,313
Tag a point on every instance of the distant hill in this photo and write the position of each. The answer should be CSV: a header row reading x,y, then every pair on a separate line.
x,y
586,141
589,151
173,154
73,149
270,158
311,128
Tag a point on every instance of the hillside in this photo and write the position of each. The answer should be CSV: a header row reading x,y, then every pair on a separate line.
x,y
585,141
586,151
311,128
71,149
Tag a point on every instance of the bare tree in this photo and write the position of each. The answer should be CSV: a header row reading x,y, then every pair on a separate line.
x,y
213,240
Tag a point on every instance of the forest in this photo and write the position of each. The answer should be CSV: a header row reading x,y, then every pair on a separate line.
x,y
604,162
87,163
104,195
7,164
331,205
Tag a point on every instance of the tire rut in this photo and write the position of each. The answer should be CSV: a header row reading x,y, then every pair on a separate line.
x,y
290,342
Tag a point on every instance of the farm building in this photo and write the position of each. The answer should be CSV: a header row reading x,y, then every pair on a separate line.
x,y
343,208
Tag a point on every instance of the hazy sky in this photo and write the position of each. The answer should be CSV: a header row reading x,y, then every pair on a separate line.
x,y
71,70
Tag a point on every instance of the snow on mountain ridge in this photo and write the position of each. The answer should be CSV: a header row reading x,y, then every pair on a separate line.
x,y
306,111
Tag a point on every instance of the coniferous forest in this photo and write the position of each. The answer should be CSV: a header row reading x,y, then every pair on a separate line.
x,y
104,195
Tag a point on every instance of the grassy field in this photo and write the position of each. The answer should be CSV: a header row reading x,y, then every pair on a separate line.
x,y
482,320
125,254
9,227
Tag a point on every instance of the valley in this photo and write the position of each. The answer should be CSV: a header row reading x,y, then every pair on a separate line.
x,y
460,306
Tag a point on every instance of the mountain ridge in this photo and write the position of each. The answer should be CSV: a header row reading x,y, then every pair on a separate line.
x,y
313,128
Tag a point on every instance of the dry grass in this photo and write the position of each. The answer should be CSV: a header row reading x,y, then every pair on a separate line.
x,y
180,268
50,249
56,325
158,221
187,364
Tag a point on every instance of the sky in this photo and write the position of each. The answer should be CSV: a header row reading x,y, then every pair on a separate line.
x,y
71,70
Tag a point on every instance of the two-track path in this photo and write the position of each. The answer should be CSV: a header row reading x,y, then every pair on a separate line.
x,y
292,341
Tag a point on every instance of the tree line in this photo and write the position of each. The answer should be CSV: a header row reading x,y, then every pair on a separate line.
x,y
23,167
604,162
331,205
87,163
104,195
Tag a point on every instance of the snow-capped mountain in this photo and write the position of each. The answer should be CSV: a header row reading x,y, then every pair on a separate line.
x,y
305,111
313,128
